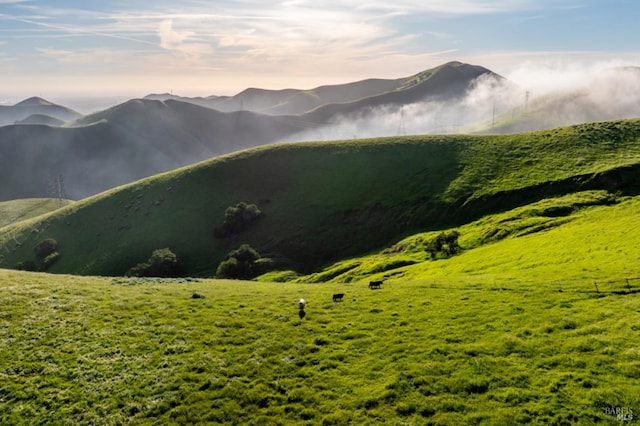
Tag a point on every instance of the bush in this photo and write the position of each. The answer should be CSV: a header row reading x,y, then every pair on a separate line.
x,y
237,219
27,265
46,255
239,264
163,263
230,268
444,245
50,260
45,247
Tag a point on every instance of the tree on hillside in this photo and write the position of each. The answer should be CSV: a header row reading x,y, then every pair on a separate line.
x,y
46,252
162,263
238,218
239,264
45,247
444,245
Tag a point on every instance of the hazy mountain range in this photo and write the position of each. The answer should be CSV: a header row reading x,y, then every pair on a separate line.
x,y
51,150
27,111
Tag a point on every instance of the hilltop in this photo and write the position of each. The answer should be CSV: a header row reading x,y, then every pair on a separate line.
x,y
323,202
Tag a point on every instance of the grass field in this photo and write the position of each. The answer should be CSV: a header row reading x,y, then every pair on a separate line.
x,y
449,351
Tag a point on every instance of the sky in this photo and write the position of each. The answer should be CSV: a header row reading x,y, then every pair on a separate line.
x,y
63,49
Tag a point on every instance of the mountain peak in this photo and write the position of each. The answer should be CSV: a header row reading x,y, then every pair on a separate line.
x,y
34,101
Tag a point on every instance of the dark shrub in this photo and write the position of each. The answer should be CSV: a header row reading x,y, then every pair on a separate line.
x,y
239,264
27,265
444,245
230,268
238,218
50,260
45,247
162,263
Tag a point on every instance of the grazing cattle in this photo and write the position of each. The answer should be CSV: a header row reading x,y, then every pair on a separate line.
x,y
338,297
301,304
374,284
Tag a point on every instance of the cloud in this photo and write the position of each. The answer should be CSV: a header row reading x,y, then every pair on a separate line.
x,y
462,7
169,38
542,77
180,41
553,95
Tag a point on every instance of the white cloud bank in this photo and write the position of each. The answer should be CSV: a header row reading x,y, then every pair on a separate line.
x,y
555,96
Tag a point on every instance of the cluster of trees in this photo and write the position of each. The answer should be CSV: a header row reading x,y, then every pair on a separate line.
x,y
240,264
163,263
46,253
238,218
444,245
243,263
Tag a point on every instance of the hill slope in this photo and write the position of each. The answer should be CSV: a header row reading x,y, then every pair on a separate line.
x,y
567,241
327,201
18,210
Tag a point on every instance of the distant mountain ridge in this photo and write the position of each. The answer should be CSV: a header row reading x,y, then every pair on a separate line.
x,y
143,137
378,91
35,106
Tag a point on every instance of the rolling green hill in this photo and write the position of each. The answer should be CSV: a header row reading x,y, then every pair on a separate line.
x,y
19,210
323,202
533,321
570,241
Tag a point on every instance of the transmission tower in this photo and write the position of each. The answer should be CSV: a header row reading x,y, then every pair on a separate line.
x,y
401,129
60,193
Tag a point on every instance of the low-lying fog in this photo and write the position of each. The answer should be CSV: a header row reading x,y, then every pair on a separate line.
x,y
535,97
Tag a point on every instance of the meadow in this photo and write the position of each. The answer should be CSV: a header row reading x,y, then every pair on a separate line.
x,y
479,349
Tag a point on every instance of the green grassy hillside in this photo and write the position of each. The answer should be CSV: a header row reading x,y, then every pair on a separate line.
x,y
323,202
568,242
446,351
19,210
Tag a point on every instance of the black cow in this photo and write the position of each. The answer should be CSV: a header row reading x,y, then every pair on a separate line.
x,y
338,297
375,284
